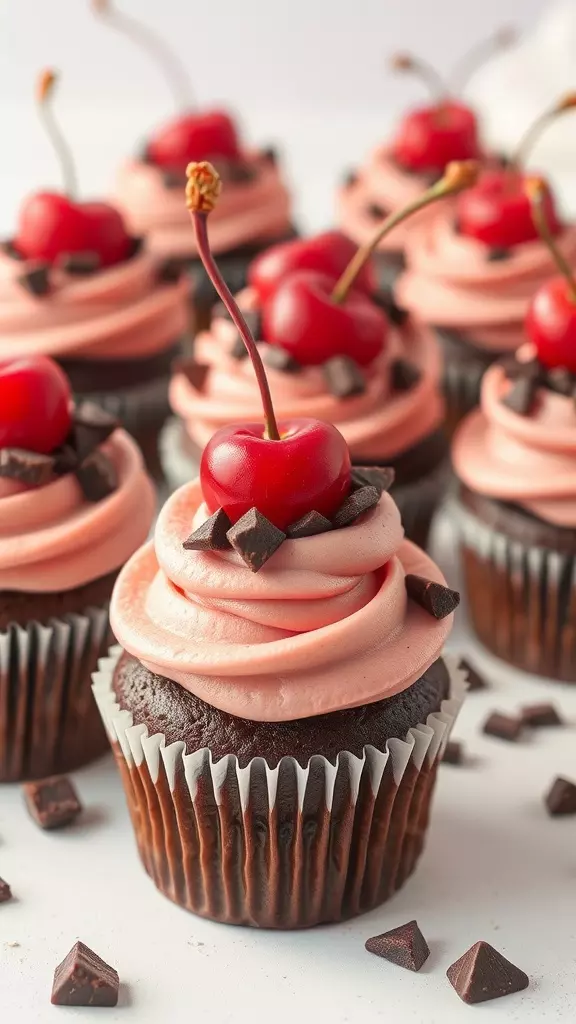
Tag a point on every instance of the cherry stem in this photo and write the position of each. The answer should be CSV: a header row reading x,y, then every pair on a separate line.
x,y
457,176
478,55
425,71
45,92
199,219
534,131
173,69
537,193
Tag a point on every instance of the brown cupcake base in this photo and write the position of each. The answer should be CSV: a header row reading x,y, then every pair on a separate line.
x,y
464,366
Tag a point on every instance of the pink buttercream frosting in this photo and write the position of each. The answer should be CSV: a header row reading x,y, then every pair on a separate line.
x,y
257,210
122,312
529,460
377,424
325,624
52,539
451,283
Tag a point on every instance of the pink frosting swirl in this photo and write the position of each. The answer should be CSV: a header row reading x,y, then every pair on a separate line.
x,y
52,539
451,282
325,625
529,460
121,312
377,424
257,210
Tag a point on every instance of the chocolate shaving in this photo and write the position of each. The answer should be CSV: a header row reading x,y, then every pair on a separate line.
x,y
404,946
343,377
80,262
376,211
483,974
91,426
255,539
386,301
453,753
97,477
354,505
170,270
497,253
173,178
309,525
404,375
539,716
561,798
53,802
561,380
195,373
474,679
380,477
84,979
278,358
503,727
29,467
211,535
520,397
436,599
36,279
5,891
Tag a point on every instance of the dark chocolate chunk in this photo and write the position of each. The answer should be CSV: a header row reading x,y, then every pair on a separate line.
x,y
561,798
504,727
309,525
36,279
10,249
279,359
354,505
453,752
195,373
483,974
83,979
5,891
80,262
474,679
376,211
497,253
92,425
380,477
438,600
53,802
211,535
255,539
521,395
539,716
561,380
97,476
350,179
515,368
404,946
269,154
29,467
404,375
386,301
170,270
344,377
173,178
65,459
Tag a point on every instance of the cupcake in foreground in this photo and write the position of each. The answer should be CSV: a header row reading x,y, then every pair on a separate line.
x,y
425,141
76,286
75,502
256,210
472,271
282,669
515,458
334,353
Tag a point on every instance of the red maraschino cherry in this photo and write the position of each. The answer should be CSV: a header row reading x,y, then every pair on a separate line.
x,y
497,211
35,399
329,253
52,225
283,469
315,319
551,318
192,135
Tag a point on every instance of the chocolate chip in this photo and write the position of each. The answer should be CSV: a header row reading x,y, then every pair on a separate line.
x,y
91,426
5,891
173,178
350,179
386,301
195,373
29,467
170,270
278,358
497,253
97,477
404,946
504,727
376,212
438,600
561,798
270,155
211,535
539,716
83,979
483,974
521,395
404,375
474,679
309,525
10,249
53,802
561,380
65,459
80,262
354,505
344,377
36,279
453,753
255,539
380,477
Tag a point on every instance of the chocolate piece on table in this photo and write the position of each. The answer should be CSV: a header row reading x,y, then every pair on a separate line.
x,y
404,375
395,313
561,798
521,395
483,974
195,373
173,179
255,539
376,211
436,599
540,715
29,467
91,426
474,679
36,279
343,377
561,380
504,727
354,505
498,253
277,358
380,477
211,535
453,752
309,525
97,476
170,270
80,262
404,946
5,891
53,802
84,979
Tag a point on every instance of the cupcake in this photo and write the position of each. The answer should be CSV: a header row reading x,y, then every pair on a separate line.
x,y
75,502
76,286
332,353
472,272
515,459
256,210
280,690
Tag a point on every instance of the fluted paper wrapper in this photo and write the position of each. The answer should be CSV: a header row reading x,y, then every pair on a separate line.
x,y
522,600
48,722
288,847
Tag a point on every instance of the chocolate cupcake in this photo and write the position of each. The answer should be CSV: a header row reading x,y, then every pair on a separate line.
x,y
75,502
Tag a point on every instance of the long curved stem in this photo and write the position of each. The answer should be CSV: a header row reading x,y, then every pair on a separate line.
x,y
534,131
54,133
537,194
477,56
427,72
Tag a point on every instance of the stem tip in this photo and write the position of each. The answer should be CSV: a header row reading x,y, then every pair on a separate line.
x,y
45,84
203,187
